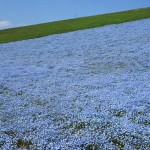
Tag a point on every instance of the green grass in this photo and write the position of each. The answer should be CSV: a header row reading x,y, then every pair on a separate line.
x,y
39,30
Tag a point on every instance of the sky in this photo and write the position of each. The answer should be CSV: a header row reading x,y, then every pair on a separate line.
x,y
16,13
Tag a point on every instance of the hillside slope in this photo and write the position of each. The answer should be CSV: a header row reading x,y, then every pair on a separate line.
x,y
81,90
35,31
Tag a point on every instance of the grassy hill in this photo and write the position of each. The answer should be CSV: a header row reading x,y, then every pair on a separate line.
x,y
39,30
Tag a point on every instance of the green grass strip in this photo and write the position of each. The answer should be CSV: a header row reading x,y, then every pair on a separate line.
x,y
40,30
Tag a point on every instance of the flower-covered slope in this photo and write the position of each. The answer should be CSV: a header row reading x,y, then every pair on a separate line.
x,y
88,89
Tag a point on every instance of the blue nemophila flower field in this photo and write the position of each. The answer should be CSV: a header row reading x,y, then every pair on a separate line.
x,y
88,89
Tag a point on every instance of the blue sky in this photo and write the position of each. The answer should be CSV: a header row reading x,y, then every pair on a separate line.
x,y
15,13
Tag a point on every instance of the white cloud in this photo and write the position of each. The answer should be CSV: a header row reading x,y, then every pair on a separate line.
x,y
23,24
5,24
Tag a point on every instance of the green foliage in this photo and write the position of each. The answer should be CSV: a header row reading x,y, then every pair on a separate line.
x,y
91,146
35,31
23,144
2,143
118,112
119,144
10,133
